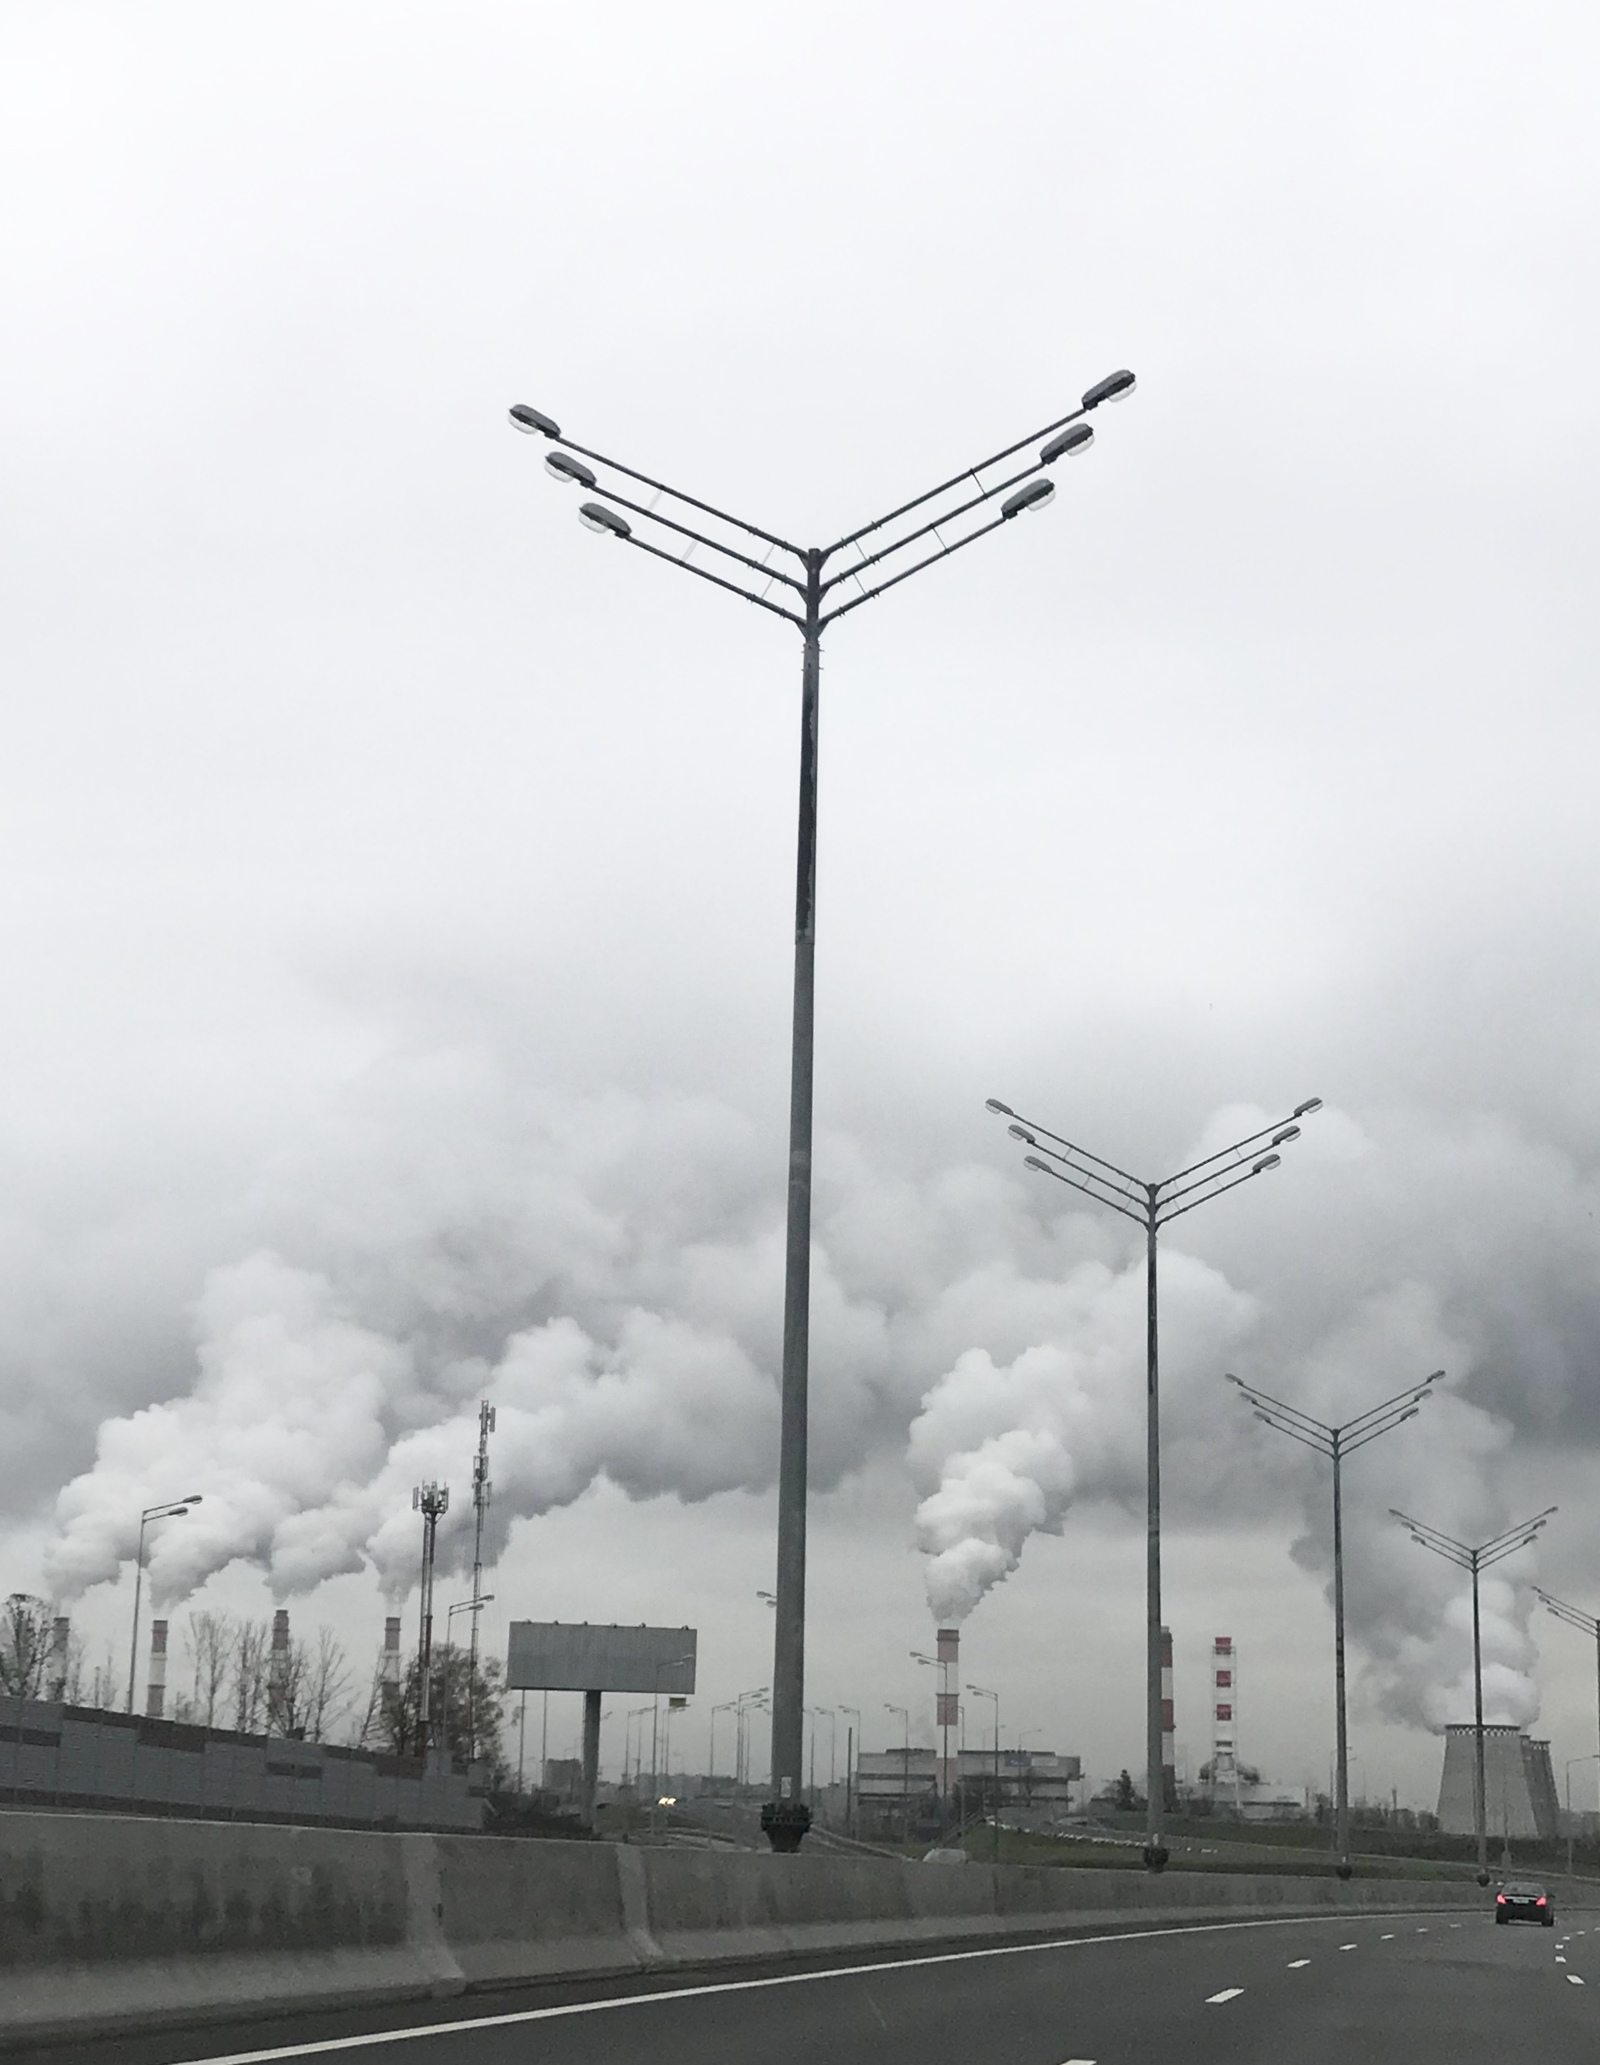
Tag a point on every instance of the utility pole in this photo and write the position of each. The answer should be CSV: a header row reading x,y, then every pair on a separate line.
x,y
431,1500
480,1506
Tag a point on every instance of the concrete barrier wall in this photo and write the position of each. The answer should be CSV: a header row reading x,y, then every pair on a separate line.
x,y
114,1923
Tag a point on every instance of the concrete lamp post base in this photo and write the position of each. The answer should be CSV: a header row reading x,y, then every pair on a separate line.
x,y
1156,1856
784,1824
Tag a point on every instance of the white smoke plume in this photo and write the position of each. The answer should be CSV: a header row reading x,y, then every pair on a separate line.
x,y
1004,1450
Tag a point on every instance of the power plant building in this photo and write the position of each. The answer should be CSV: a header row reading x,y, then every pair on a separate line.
x,y
1519,1784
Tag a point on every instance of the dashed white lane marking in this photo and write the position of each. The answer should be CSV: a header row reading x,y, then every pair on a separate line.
x,y
1079,2061
1455,1925
1215,2000
1560,1960
1387,1939
1348,1946
1573,1979
1422,1932
1297,1964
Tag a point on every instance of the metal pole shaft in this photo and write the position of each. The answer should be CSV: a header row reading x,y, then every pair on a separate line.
x,y
138,1587
1479,1803
788,1817
1342,1793
1155,1854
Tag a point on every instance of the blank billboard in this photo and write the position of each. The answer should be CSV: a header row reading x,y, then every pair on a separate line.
x,y
587,1656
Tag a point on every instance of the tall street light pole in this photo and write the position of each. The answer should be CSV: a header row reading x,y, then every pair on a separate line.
x,y
1153,1206
1336,1443
812,581
1476,1560
1590,1625
174,1511
978,1692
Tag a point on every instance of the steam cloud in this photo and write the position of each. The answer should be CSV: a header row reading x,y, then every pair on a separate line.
x,y
619,1306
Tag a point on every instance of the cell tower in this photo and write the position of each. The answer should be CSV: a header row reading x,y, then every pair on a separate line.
x,y
431,1500
481,1490
1224,1719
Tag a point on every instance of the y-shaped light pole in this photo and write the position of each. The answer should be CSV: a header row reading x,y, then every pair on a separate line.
x,y
1152,1206
818,584
1336,1443
1475,1560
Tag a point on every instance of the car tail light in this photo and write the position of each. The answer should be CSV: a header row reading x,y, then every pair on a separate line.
x,y
1540,1901
1499,1900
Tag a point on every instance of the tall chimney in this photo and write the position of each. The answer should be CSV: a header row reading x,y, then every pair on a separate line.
x,y
1169,1753
156,1695
947,1712
60,1638
278,1674
391,1652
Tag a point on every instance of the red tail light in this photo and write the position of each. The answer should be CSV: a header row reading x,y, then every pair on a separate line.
x,y
1499,1900
1540,1901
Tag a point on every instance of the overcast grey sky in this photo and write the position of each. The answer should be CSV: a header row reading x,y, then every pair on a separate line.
x,y
397,880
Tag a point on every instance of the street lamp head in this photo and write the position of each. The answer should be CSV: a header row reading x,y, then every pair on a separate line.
x,y
195,1498
595,516
1022,1133
1311,1104
994,1104
1288,1133
1267,1161
1038,494
532,423
1032,1161
562,466
1115,387
1077,437
1228,1377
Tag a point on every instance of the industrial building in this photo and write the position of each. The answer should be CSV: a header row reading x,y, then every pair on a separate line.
x,y
1519,1784
1030,1780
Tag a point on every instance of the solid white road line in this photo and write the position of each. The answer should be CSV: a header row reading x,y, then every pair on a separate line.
x,y
1298,1964
1215,2000
414,2032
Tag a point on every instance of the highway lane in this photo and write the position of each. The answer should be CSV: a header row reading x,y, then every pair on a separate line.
x,y
1427,1990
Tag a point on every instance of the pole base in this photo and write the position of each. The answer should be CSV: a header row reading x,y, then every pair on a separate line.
x,y
1344,1869
1156,1856
784,1824
1483,1878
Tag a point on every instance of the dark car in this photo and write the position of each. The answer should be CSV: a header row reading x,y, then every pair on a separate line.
x,y
1520,1900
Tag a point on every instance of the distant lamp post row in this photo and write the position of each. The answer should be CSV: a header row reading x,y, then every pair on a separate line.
x,y
175,1509
1588,1624
810,587
1476,1560
1153,1206
978,1692
1336,1443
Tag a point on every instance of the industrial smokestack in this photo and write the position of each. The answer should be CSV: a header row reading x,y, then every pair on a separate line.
x,y
1169,1749
156,1693
60,1639
391,1652
947,1709
278,1675
1224,1720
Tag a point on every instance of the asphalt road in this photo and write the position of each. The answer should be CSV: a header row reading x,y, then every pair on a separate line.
x,y
1428,1990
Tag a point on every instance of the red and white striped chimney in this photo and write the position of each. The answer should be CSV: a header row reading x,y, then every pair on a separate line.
x,y
156,1691
278,1674
947,1706
60,1644
391,1651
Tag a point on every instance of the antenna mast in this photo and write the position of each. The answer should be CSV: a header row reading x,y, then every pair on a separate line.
x,y
481,1493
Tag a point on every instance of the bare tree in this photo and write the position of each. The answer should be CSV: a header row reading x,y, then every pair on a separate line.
x,y
25,1626
327,1684
209,1639
248,1657
105,1688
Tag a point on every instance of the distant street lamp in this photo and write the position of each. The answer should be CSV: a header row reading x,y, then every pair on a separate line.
x,y
175,1510
852,1754
473,1606
978,1692
1336,1443
1476,1560
1153,1206
879,556
1575,1617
